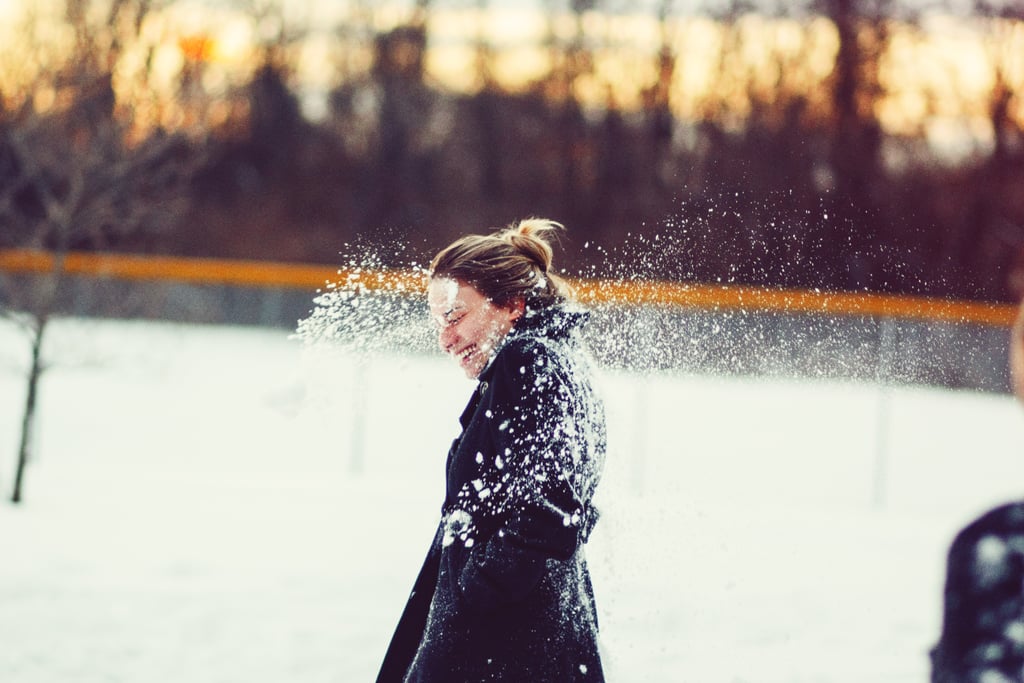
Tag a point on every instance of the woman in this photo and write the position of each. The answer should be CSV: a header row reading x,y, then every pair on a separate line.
x,y
504,593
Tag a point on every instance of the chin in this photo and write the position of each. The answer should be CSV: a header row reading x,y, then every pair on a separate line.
x,y
472,369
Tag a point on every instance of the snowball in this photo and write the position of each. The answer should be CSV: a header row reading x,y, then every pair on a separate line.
x,y
451,291
1014,631
993,676
990,560
457,524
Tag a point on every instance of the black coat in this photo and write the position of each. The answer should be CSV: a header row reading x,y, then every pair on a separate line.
x,y
504,593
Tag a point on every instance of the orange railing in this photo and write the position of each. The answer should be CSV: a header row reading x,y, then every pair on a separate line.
x,y
645,292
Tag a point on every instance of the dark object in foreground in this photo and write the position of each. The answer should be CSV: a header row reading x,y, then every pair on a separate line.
x,y
982,637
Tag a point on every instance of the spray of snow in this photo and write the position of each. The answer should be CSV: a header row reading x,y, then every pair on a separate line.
x,y
369,309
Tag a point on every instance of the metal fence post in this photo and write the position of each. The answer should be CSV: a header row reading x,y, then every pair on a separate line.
x,y
884,373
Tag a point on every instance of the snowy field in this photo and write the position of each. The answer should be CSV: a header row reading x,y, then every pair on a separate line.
x,y
219,505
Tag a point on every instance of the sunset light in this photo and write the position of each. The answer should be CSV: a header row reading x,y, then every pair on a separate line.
x,y
936,77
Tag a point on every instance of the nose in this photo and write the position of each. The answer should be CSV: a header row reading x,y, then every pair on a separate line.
x,y
446,337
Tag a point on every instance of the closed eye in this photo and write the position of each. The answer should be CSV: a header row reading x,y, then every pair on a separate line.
x,y
450,318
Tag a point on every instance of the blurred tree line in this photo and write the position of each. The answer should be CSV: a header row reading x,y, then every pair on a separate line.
x,y
767,182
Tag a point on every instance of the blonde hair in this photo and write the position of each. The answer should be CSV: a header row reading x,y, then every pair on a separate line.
x,y
508,264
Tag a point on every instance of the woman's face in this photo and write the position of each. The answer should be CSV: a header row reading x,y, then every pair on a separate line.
x,y
469,326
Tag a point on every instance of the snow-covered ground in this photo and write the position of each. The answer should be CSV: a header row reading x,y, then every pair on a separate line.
x,y
215,504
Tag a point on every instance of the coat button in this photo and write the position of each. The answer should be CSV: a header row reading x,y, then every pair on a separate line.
x,y
482,388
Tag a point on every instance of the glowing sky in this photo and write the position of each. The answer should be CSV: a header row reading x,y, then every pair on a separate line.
x,y
937,81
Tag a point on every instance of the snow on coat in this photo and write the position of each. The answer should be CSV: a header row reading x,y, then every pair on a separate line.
x,y
504,593
982,637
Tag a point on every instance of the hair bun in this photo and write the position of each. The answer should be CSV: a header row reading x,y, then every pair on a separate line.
x,y
532,238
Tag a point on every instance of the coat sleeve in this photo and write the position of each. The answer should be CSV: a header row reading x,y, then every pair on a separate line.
x,y
533,422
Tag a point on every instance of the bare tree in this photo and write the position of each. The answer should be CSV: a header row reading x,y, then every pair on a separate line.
x,y
77,175
994,229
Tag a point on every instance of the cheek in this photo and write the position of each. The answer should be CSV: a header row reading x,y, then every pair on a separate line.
x,y
495,331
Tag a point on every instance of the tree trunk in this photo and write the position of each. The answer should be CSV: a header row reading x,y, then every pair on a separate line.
x,y
28,420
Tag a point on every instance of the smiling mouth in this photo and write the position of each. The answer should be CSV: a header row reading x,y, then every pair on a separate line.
x,y
466,353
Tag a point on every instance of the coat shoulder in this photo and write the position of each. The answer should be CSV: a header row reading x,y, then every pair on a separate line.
x,y
524,355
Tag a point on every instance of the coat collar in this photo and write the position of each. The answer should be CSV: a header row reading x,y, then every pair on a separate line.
x,y
474,401
557,322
